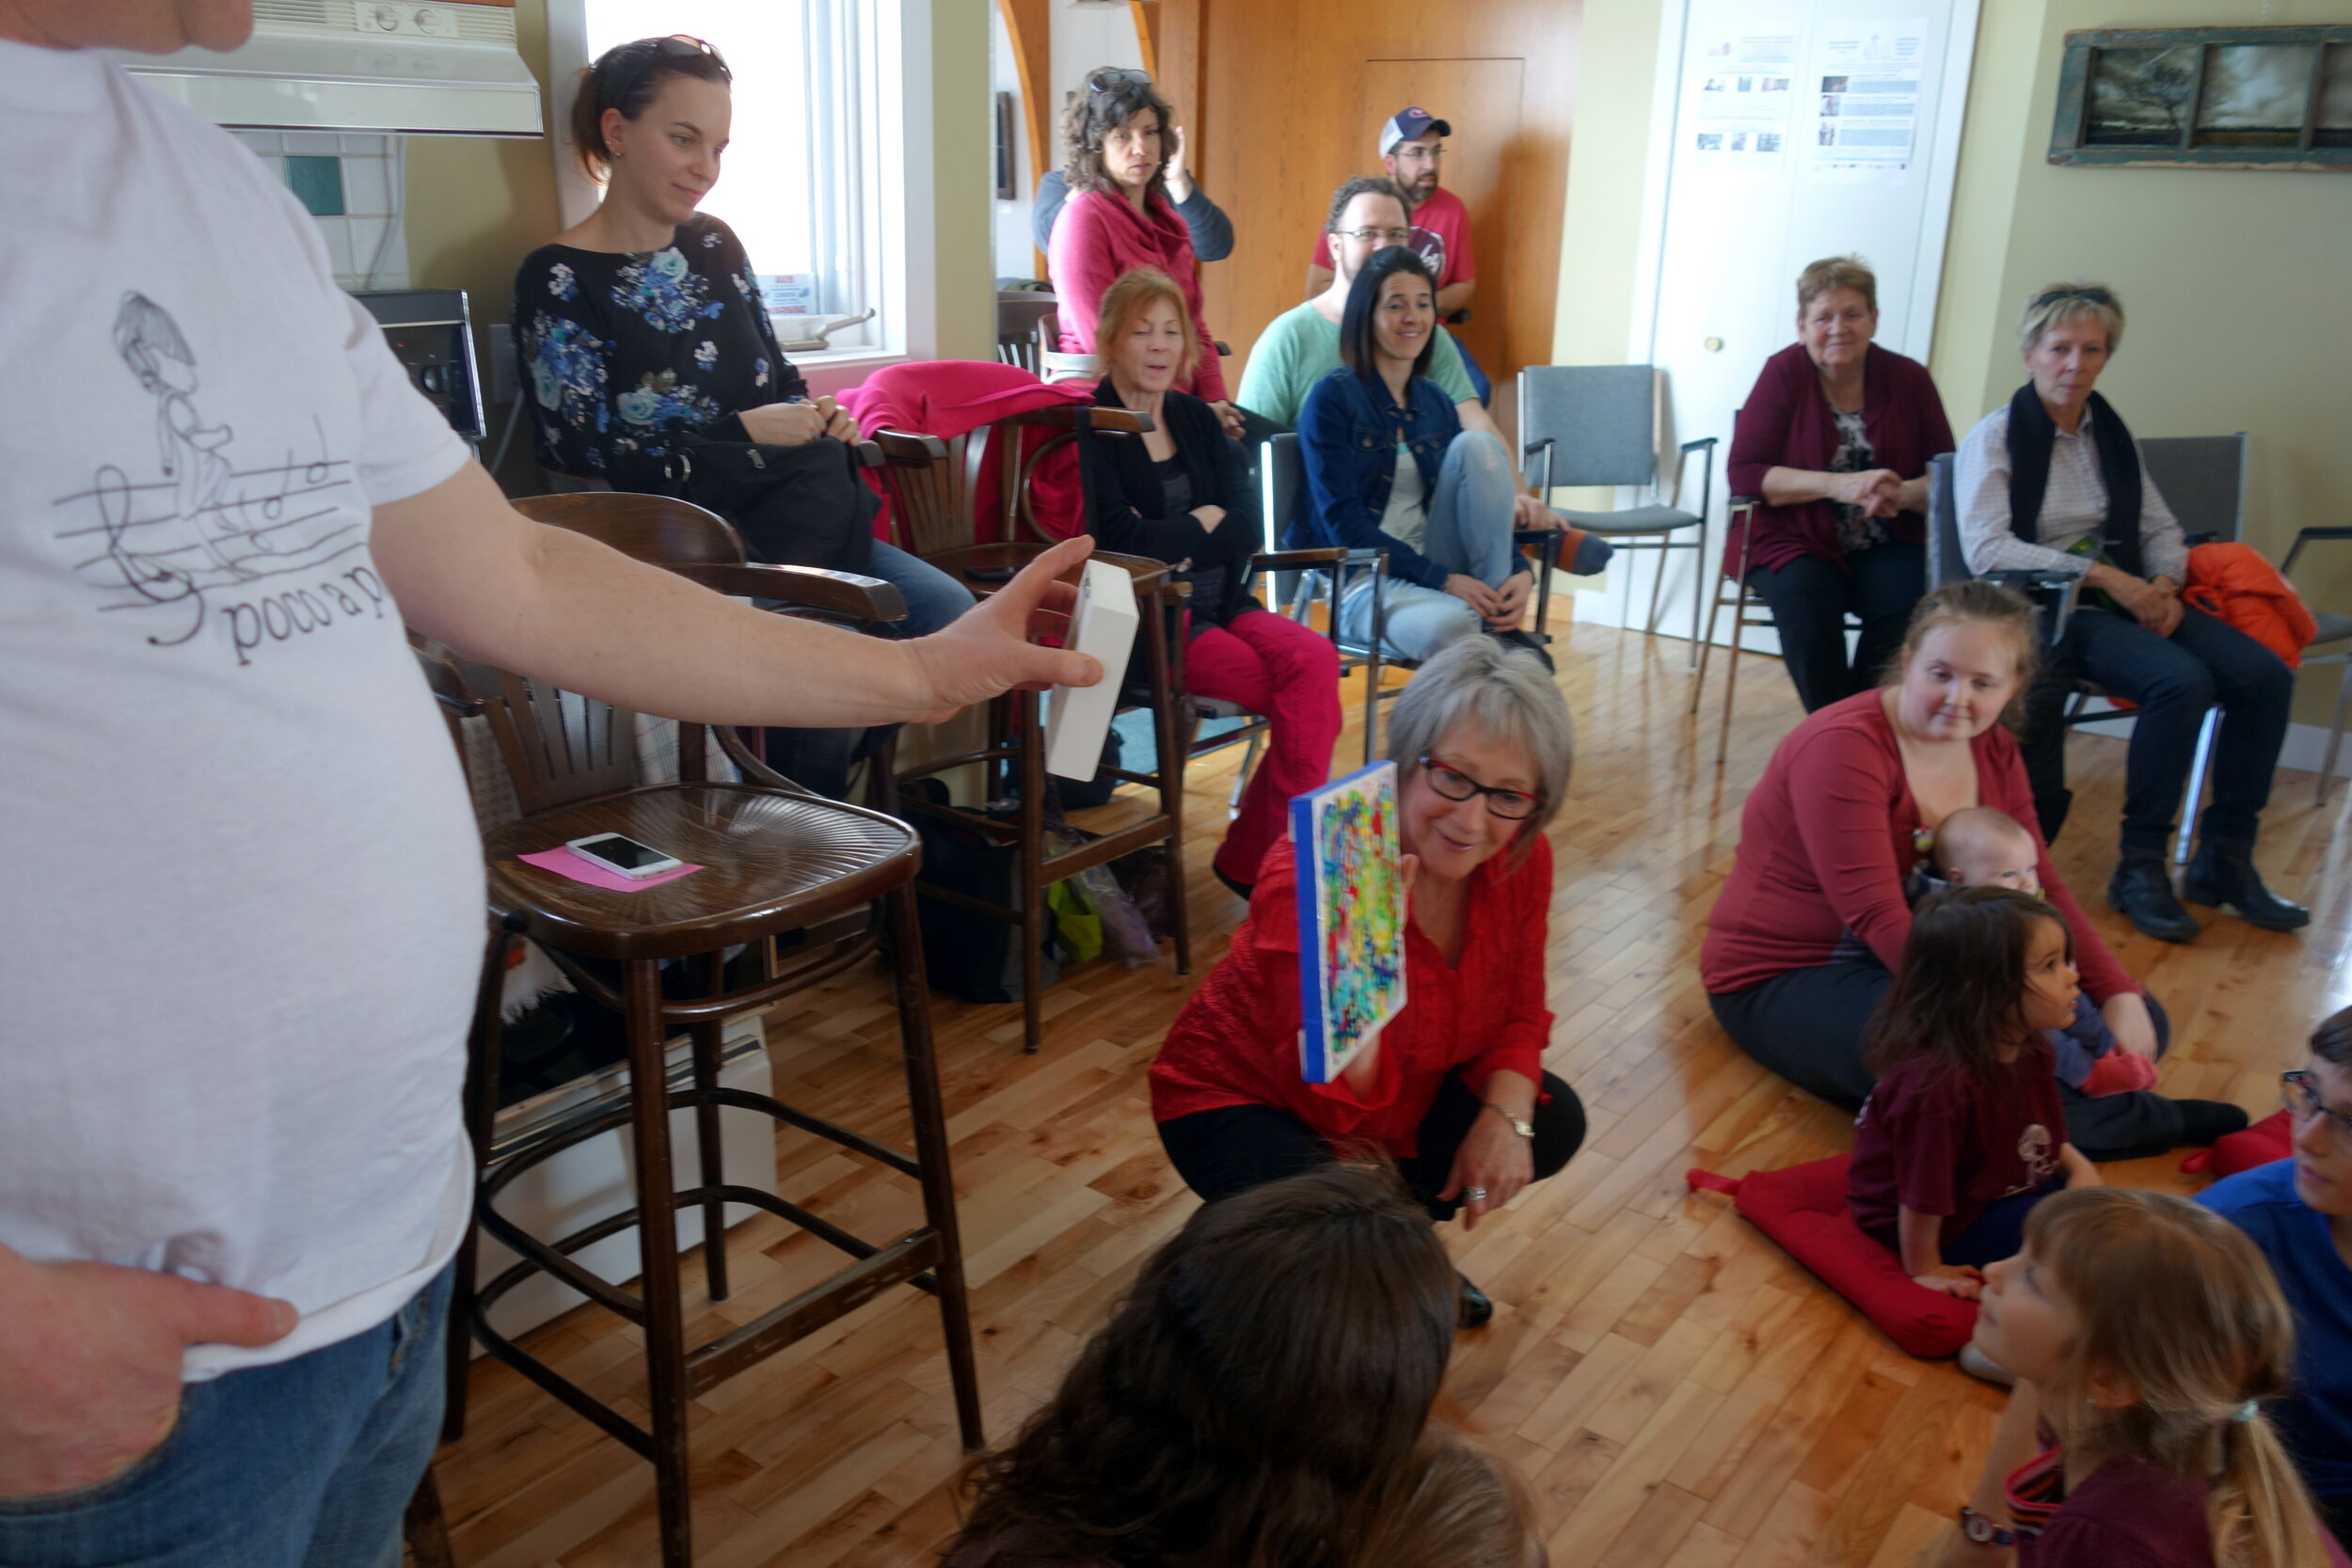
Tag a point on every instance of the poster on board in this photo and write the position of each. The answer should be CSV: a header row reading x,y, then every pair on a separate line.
x,y
1866,75
1740,101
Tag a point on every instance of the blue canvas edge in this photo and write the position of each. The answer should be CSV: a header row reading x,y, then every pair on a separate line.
x,y
1314,1063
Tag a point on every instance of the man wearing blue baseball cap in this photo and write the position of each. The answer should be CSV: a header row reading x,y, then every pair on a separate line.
x,y
1413,147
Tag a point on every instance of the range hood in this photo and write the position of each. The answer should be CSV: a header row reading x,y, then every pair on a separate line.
x,y
401,66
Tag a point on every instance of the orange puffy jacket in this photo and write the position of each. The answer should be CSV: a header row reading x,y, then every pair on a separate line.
x,y
2233,582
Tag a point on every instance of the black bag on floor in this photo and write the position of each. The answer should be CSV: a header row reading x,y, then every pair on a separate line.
x,y
967,954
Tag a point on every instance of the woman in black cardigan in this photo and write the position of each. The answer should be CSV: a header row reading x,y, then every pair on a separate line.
x,y
1182,495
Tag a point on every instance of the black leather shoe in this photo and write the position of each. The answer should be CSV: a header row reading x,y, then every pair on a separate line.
x,y
1519,638
2223,876
2142,894
1477,1310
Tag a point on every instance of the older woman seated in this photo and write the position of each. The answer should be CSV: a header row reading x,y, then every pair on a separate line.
x,y
1844,811
1835,436
1182,495
1455,1088
1389,467
2298,1211
2054,482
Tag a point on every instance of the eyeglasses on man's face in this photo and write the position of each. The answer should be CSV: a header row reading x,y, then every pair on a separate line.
x,y
2300,1092
1512,805
1381,236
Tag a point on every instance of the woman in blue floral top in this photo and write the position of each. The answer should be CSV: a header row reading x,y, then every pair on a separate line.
x,y
652,364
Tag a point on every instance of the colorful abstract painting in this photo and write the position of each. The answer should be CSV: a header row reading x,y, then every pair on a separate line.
x,y
1351,918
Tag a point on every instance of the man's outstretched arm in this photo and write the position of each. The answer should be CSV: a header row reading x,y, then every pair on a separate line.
x,y
468,569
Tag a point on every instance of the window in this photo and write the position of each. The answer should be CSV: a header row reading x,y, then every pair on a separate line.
x,y
808,182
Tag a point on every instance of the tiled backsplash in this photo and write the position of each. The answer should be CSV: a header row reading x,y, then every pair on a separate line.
x,y
368,233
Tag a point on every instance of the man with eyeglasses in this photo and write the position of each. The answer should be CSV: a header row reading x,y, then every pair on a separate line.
x,y
1412,151
2298,1211
244,898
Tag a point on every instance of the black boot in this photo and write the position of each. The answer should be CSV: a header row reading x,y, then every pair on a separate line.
x,y
2223,876
2142,894
1477,1310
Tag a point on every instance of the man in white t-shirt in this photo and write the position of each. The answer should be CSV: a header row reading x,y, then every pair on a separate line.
x,y
243,885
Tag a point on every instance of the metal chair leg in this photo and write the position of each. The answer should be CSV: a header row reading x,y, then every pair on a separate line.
x,y
1698,582
1657,588
1241,779
1169,775
1731,677
1706,645
2200,763
656,1244
2335,734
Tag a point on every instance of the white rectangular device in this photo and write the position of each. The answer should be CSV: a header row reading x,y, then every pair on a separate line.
x,y
623,856
1078,718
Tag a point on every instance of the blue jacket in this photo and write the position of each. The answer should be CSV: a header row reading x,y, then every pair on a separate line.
x,y
1347,437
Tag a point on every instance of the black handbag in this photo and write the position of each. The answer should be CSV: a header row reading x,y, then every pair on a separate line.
x,y
795,506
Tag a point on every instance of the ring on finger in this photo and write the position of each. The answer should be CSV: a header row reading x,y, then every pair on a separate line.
x,y
1475,1195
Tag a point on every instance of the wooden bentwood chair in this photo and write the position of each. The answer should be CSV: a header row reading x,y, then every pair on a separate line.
x,y
774,860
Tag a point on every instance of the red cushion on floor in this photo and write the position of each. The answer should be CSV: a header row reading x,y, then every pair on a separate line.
x,y
2268,1139
1803,1209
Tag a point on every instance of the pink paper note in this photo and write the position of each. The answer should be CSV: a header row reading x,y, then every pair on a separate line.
x,y
561,861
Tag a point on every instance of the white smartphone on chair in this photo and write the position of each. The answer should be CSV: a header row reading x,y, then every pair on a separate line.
x,y
623,856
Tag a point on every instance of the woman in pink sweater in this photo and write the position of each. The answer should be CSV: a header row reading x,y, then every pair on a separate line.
x,y
1118,217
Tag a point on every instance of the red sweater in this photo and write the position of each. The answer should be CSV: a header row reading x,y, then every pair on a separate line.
x,y
1788,423
1826,837
1236,1041
1096,239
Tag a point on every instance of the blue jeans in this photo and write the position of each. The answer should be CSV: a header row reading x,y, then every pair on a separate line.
x,y
933,598
2174,680
308,1464
1470,533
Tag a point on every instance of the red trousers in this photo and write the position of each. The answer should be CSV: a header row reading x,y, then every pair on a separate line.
x,y
1271,665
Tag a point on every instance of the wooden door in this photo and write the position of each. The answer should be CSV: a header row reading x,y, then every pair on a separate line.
x,y
1480,99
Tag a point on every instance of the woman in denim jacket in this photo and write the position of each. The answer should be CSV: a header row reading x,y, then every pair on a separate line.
x,y
1445,517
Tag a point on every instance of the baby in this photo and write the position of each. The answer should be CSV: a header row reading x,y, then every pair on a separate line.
x,y
1983,848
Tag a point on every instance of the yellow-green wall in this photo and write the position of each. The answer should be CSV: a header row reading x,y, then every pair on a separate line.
x,y
2233,278
476,206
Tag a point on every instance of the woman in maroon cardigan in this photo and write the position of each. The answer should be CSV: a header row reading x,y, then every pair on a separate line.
x,y
1841,815
1835,438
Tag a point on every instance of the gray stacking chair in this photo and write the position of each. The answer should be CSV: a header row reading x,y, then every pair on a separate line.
x,y
1598,425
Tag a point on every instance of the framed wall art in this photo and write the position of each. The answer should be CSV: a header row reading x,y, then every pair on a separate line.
x,y
2221,97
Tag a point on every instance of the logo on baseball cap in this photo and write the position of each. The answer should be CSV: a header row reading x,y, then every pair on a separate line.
x,y
1407,124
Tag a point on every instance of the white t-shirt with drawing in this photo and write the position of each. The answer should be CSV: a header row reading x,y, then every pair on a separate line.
x,y
241,903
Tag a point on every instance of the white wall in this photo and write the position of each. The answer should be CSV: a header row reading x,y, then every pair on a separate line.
x,y
1014,250
1085,38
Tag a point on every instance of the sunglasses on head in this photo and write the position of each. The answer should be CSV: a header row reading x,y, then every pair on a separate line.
x,y
2093,294
1111,81
653,53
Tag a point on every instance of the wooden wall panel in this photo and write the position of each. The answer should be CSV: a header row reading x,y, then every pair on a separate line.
x,y
1279,107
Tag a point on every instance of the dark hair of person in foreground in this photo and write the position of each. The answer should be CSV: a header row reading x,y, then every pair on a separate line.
x,y
1266,1381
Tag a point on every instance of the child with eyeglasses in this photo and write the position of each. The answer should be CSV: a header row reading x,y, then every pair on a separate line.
x,y
2298,1211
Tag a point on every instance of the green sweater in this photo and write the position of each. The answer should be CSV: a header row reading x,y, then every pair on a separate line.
x,y
1300,348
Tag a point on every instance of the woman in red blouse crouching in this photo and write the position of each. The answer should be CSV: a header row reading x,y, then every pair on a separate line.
x,y
1455,1089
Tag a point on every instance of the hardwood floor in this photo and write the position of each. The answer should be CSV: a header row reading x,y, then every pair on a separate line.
x,y
1677,1391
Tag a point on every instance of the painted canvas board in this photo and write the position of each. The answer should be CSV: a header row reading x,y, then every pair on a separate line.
x,y
1351,918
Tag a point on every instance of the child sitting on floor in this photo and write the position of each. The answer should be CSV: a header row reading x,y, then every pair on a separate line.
x,y
1965,1132
2146,1334
1981,846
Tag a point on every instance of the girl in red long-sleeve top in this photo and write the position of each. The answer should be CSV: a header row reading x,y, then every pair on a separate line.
x,y
1842,813
1453,1089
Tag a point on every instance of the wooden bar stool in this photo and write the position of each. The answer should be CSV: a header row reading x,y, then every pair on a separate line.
x,y
775,859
